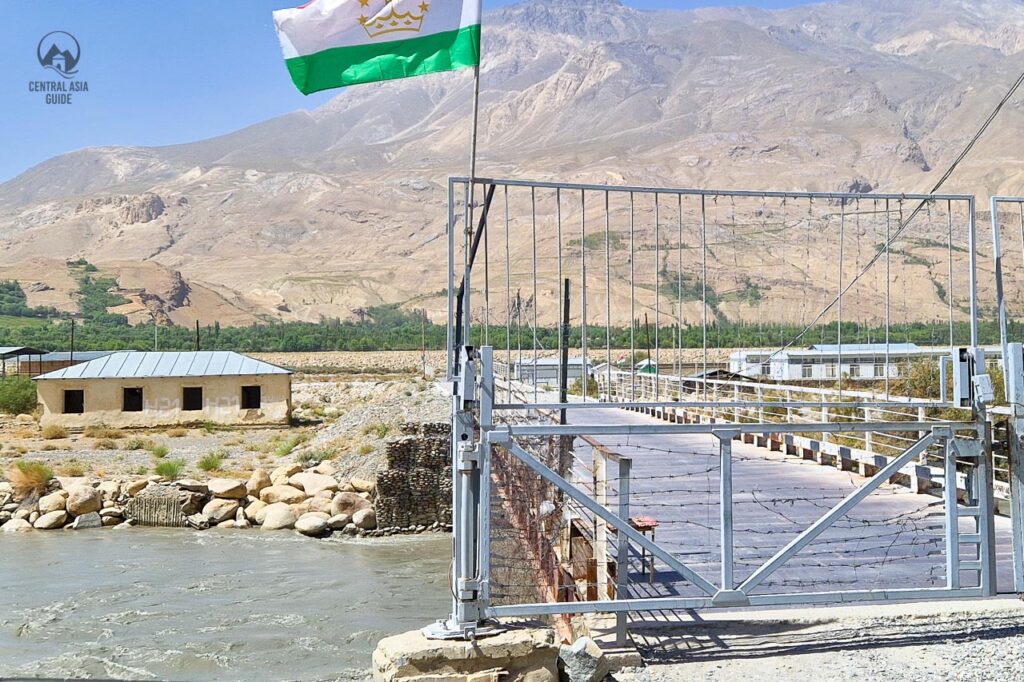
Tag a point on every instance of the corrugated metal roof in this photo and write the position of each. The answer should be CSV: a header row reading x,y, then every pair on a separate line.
x,y
79,355
13,351
867,348
146,365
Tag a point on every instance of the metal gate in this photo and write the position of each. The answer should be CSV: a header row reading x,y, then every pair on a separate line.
x,y
537,434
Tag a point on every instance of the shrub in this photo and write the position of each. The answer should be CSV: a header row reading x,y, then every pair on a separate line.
x,y
379,429
104,444
365,449
17,395
53,432
170,469
142,470
159,451
211,462
28,476
139,443
177,433
102,431
290,444
72,469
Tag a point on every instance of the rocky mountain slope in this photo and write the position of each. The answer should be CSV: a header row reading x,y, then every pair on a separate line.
x,y
316,213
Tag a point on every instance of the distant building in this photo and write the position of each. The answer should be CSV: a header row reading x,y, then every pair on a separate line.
x,y
544,372
50,362
19,359
825,362
161,388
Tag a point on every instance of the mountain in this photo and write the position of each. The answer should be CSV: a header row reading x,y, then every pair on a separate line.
x,y
317,213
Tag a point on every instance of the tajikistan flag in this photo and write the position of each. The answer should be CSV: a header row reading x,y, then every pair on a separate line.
x,y
333,43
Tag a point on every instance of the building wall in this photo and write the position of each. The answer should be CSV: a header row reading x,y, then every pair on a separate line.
x,y
162,401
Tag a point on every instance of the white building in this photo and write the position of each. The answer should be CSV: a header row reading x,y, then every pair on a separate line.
x,y
827,362
544,372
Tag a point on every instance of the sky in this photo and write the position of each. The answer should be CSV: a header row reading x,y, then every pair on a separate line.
x,y
160,73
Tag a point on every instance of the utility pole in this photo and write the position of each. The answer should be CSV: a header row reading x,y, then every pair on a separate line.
x,y
197,335
71,356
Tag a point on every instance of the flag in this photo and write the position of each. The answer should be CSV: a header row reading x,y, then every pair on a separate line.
x,y
334,43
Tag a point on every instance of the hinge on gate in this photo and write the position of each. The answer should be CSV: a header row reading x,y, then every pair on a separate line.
x,y
469,456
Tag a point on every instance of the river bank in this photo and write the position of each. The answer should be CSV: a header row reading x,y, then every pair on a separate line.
x,y
163,604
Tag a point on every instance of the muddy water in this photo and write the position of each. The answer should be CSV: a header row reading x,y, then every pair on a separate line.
x,y
219,605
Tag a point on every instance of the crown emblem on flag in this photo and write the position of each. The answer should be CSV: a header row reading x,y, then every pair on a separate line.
x,y
395,21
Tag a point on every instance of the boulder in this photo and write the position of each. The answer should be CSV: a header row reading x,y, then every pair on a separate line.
x,y
259,480
51,520
5,516
6,488
583,661
365,519
339,522
110,521
52,502
226,488
112,512
133,488
83,499
320,504
22,514
313,483
252,510
109,489
192,485
347,503
278,516
197,521
281,474
90,520
33,517
324,468
302,507
230,523
361,485
312,524
218,510
244,523
282,493
191,503
16,526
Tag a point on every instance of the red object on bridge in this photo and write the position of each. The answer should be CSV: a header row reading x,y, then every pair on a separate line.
x,y
643,523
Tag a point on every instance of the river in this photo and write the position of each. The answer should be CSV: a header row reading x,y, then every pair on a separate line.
x,y
219,605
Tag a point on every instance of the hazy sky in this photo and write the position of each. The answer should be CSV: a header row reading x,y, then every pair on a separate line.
x,y
159,73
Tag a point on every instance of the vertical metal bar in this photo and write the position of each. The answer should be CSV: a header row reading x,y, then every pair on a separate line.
x,y
888,297
986,520
1014,363
487,290
484,520
949,494
583,278
450,369
600,527
608,294
839,314
467,316
973,253
704,290
725,509
679,304
997,255
632,301
949,284
622,551
563,320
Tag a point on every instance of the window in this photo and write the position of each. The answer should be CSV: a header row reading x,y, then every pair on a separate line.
x,y
854,371
879,369
830,371
131,400
807,371
74,401
192,398
250,397
766,369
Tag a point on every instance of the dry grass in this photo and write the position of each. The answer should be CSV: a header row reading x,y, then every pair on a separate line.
x,y
103,431
71,468
53,432
27,476
176,433
104,444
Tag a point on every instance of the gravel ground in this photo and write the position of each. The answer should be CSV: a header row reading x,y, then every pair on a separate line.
x,y
979,641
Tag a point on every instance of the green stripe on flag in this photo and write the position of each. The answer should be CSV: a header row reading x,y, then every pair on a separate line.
x,y
341,66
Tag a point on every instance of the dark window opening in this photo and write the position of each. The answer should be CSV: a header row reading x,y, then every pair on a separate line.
x,y
132,401
74,401
250,397
191,398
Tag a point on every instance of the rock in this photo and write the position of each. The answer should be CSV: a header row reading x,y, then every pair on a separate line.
x,y
5,498
89,520
324,468
218,510
313,483
112,512
365,496
191,503
51,520
197,521
347,503
123,525
281,474
230,523
52,502
109,489
583,661
339,522
350,529
252,511
521,654
133,488
26,418
259,480
6,488
5,516
110,521
361,485
83,499
227,488
282,493
278,516
347,488
320,504
192,485
33,517
312,524
302,507
16,526
244,523
365,519
22,514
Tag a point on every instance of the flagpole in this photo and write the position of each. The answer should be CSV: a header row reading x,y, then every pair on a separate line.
x,y
472,179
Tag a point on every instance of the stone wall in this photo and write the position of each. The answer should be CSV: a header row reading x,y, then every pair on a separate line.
x,y
416,488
